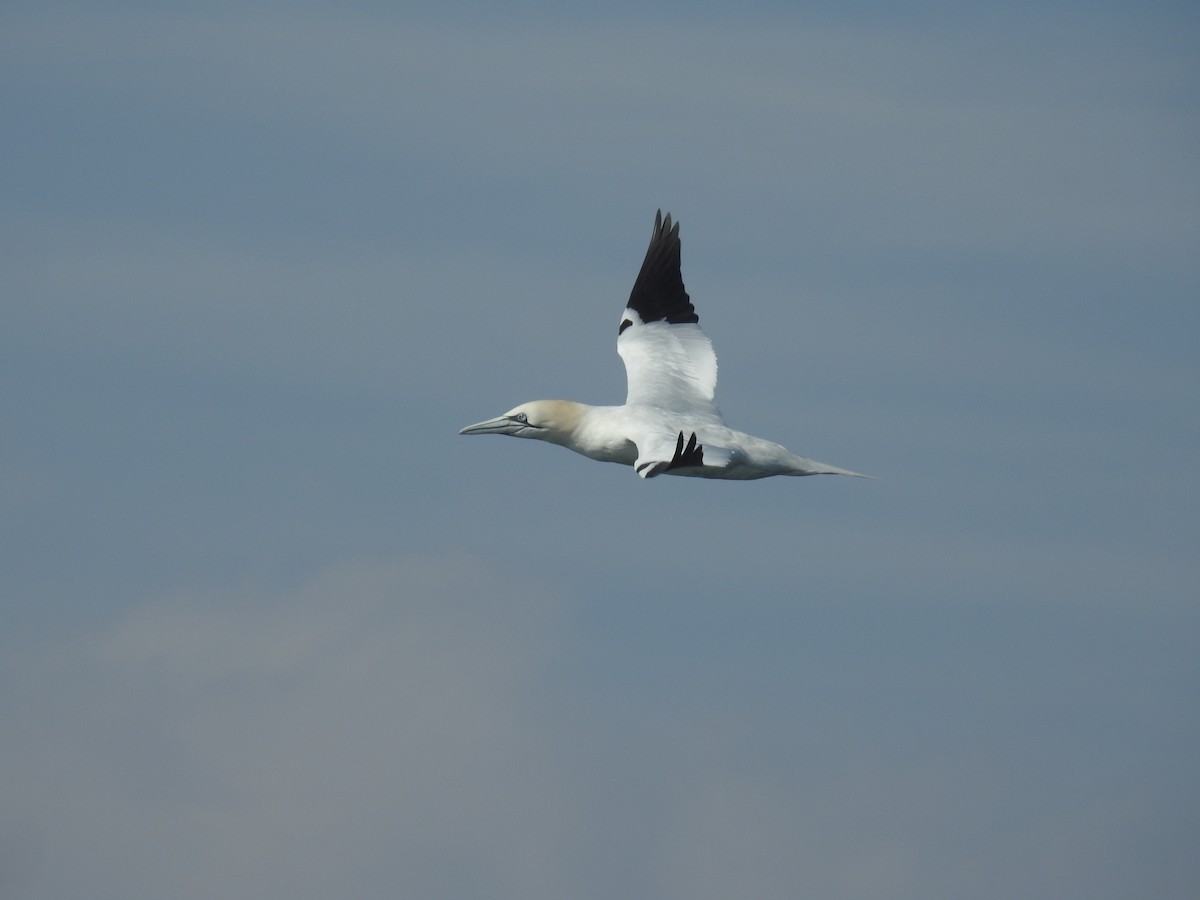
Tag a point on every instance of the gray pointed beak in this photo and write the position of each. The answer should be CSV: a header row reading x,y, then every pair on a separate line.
x,y
498,425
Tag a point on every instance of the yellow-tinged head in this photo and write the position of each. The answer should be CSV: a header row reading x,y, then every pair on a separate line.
x,y
543,420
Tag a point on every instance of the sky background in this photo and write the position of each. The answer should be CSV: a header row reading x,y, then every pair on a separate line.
x,y
271,628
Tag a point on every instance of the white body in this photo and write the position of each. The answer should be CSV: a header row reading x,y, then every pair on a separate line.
x,y
608,434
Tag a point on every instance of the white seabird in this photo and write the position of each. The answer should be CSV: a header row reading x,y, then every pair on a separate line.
x,y
669,423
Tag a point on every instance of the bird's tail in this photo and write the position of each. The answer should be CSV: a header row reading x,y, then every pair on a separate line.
x,y
804,466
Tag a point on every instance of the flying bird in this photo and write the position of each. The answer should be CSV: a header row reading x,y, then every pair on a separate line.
x,y
670,423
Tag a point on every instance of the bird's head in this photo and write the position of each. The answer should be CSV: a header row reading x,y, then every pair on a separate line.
x,y
543,420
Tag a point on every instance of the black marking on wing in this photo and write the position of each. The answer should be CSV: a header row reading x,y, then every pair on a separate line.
x,y
658,293
625,323
691,455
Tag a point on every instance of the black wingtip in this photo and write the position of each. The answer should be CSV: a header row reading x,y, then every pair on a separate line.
x,y
664,227
659,294
689,456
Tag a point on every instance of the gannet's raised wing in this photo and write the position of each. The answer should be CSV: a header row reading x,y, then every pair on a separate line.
x,y
669,361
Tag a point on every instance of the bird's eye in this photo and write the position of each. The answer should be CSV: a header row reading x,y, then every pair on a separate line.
x,y
521,417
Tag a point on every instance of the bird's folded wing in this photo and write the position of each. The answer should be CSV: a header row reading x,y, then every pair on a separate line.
x,y
661,452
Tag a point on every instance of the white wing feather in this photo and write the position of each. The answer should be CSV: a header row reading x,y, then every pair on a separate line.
x,y
669,367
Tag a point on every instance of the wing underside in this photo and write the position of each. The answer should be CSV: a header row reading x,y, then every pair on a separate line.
x,y
672,367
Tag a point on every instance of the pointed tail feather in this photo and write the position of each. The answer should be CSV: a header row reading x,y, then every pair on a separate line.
x,y
812,467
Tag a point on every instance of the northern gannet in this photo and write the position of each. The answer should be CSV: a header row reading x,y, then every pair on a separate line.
x,y
669,423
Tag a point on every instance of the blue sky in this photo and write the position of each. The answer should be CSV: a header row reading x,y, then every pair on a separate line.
x,y
272,628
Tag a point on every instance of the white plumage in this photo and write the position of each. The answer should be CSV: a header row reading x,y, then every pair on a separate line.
x,y
670,422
